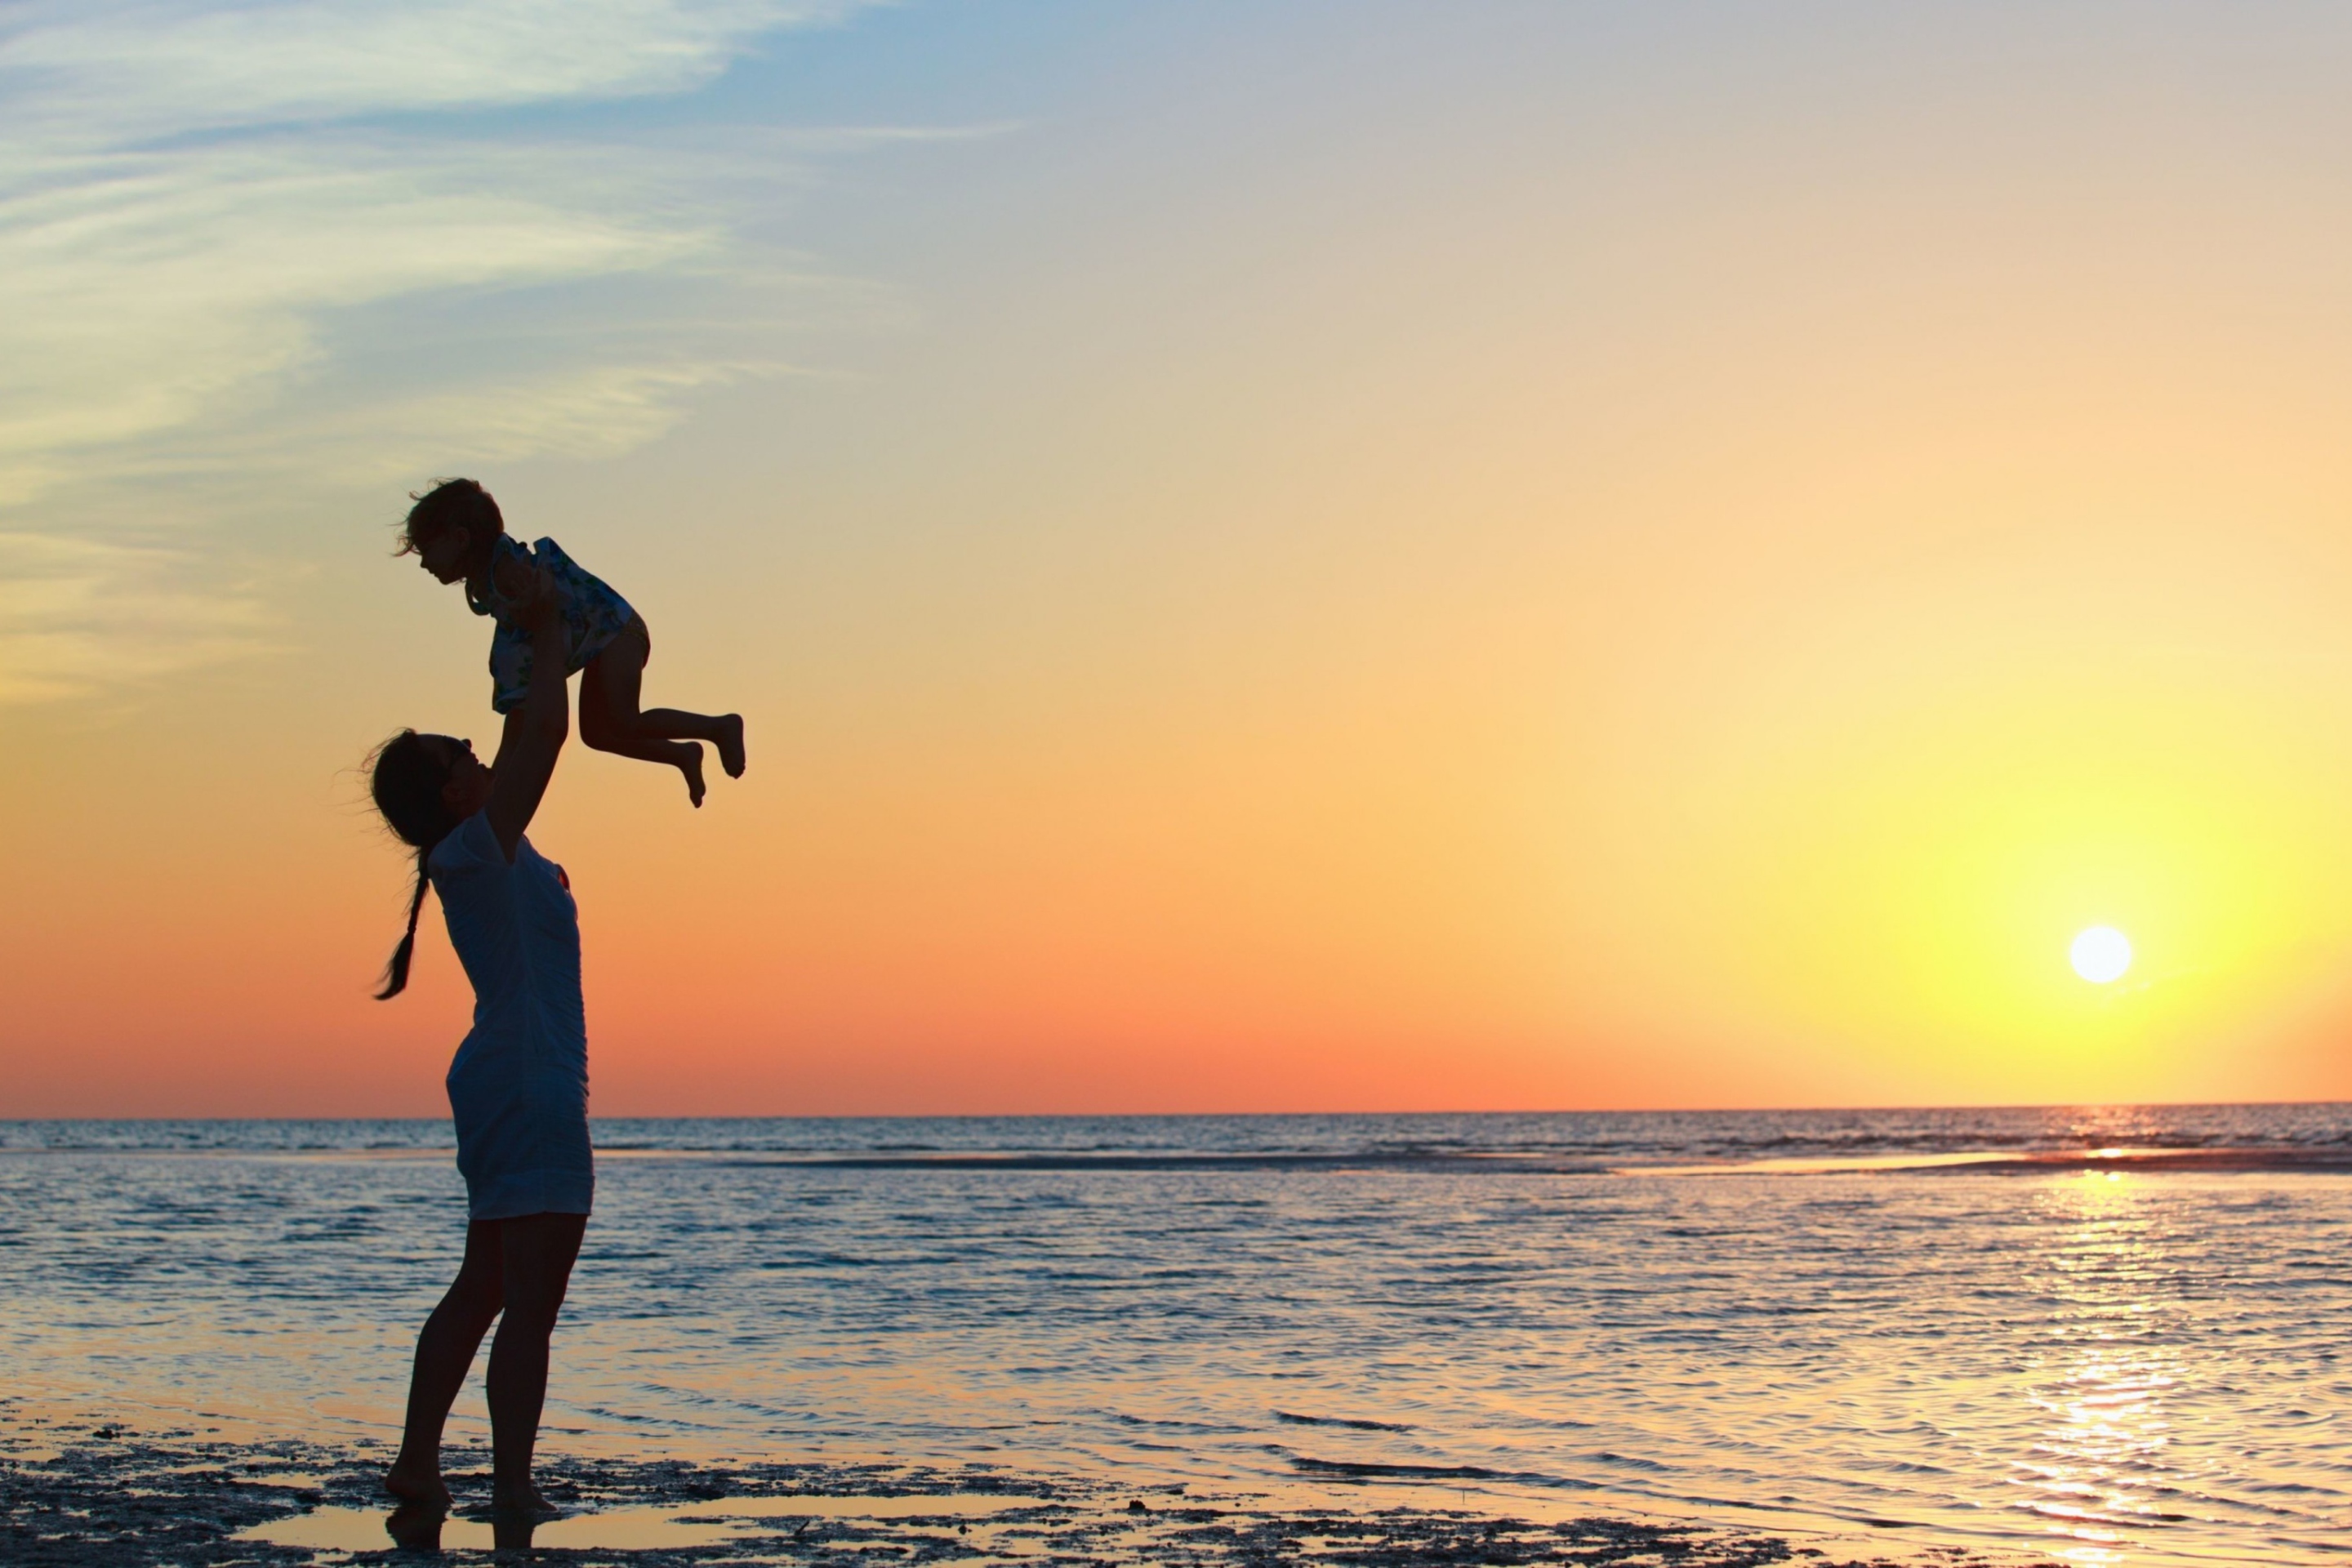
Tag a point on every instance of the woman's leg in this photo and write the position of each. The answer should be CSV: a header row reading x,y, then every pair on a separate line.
x,y
611,720
445,1350
538,1251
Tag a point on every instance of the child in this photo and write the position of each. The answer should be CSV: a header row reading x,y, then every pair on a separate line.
x,y
455,533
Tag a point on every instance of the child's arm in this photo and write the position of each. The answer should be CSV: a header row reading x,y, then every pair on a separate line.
x,y
535,731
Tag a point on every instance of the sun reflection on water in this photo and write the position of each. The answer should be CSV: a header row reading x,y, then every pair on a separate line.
x,y
2099,1467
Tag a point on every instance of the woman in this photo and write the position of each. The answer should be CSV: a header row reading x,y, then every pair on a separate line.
x,y
519,1085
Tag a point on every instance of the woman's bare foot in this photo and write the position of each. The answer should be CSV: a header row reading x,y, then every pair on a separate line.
x,y
731,744
412,1483
690,764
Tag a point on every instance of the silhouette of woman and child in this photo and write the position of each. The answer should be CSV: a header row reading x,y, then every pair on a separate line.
x,y
519,1084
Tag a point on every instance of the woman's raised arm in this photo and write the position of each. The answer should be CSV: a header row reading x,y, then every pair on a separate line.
x,y
535,731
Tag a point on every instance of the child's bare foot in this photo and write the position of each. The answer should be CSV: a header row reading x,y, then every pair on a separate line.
x,y
731,744
689,763
415,1483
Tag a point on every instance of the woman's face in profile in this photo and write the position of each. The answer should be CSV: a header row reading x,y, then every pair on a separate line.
x,y
467,787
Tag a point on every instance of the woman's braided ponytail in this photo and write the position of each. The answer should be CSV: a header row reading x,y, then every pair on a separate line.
x,y
407,780
396,974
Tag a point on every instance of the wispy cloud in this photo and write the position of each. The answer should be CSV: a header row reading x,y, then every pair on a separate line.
x,y
152,288
96,73
195,201
594,413
79,616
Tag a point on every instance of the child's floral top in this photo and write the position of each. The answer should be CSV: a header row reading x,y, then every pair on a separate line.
x,y
593,616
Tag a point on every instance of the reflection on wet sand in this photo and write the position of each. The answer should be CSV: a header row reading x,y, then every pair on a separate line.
x,y
415,1526
674,1525
2099,1464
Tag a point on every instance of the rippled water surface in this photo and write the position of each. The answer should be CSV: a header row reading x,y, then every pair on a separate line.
x,y
2111,1336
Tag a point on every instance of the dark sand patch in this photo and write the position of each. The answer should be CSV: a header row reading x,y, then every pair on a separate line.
x,y
99,1498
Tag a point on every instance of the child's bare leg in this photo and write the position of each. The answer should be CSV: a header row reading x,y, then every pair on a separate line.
x,y
610,719
724,730
597,729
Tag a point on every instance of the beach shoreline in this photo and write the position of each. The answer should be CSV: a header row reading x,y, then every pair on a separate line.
x,y
99,1495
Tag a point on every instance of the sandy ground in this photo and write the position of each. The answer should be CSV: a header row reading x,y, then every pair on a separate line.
x,y
101,1498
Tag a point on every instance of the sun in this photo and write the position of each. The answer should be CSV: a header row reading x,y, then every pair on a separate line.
x,y
2101,954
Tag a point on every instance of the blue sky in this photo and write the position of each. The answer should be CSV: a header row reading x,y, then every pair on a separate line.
x,y
338,246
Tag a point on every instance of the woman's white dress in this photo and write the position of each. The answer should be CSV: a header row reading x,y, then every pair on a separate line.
x,y
519,1085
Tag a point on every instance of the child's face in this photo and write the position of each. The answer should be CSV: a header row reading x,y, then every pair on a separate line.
x,y
444,554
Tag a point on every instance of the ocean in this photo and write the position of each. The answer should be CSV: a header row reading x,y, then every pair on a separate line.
x,y
2100,1335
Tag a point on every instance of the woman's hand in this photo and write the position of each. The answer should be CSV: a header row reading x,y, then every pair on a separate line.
x,y
510,577
531,596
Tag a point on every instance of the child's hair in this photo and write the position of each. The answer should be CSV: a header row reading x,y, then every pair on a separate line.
x,y
407,780
451,503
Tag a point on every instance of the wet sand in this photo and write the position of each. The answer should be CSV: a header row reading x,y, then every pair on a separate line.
x,y
102,1498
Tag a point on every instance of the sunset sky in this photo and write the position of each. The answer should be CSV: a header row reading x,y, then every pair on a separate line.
x,y
1276,556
